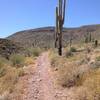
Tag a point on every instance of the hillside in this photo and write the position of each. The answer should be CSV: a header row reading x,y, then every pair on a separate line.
x,y
44,37
8,47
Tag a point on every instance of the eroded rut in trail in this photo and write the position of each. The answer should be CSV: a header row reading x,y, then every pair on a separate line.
x,y
39,83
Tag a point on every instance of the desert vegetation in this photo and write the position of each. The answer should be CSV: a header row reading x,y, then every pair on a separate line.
x,y
8,78
50,63
78,69
34,52
13,68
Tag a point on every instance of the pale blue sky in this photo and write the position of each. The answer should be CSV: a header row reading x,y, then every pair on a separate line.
x,y
17,15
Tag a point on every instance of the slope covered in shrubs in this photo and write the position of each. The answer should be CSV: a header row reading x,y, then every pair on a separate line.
x,y
8,47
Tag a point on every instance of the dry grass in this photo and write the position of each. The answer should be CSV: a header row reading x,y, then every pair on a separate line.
x,y
92,77
90,88
10,74
3,63
12,70
67,72
17,60
67,75
77,72
29,60
34,52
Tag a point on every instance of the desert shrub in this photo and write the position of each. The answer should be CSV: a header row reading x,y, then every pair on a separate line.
x,y
73,49
95,43
70,52
98,58
34,52
17,60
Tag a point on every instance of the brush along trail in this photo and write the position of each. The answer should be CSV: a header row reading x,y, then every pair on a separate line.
x,y
39,82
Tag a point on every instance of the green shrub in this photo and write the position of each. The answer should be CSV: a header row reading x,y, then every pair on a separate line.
x,y
96,43
34,52
98,58
72,49
17,60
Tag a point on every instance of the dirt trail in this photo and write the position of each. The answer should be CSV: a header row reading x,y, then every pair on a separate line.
x,y
38,84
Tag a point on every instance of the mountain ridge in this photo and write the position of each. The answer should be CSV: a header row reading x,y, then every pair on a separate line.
x,y
44,36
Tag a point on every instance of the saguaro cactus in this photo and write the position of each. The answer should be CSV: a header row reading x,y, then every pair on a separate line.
x,y
71,39
88,37
60,17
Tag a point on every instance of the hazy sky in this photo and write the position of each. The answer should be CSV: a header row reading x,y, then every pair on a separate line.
x,y
17,15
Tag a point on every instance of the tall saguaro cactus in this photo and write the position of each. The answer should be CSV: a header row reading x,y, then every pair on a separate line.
x,y
60,17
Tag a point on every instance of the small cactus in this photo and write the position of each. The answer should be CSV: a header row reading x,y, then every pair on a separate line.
x,y
96,43
88,37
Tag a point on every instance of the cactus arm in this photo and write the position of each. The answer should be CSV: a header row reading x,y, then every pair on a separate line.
x,y
56,28
59,8
56,19
64,7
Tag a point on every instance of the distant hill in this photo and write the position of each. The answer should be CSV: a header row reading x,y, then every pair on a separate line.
x,y
44,37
